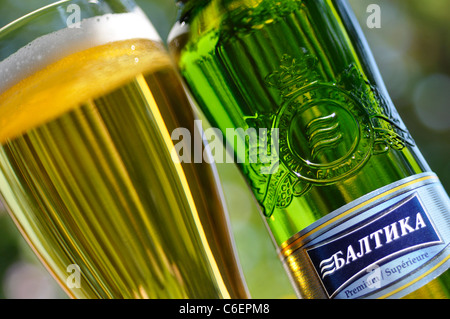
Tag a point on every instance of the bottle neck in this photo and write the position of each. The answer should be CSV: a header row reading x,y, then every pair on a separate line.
x,y
212,9
187,9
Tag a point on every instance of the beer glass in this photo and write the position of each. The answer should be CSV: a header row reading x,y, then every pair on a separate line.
x,y
88,98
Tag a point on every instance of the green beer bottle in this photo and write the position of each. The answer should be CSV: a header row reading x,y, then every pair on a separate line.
x,y
352,206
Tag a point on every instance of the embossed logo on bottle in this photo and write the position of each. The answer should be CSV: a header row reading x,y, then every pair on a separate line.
x,y
325,135
327,130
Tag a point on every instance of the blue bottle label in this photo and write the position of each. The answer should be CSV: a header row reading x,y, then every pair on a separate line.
x,y
386,244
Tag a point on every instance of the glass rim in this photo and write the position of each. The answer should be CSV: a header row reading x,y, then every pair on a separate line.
x,y
18,22
53,17
31,14
24,43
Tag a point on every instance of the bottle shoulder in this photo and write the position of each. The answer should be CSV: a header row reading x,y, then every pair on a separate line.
x,y
233,16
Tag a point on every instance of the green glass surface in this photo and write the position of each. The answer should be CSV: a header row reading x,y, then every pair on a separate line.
x,y
302,67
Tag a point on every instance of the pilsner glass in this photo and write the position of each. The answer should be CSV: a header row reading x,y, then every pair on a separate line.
x,y
88,98
354,209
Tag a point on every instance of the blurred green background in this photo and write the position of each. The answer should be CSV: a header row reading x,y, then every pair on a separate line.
x,y
412,49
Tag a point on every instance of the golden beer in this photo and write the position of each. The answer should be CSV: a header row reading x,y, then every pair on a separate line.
x,y
87,175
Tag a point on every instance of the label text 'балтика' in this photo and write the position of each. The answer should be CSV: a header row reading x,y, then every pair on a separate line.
x,y
371,242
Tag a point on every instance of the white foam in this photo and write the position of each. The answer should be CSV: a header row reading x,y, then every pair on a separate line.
x,y
90,33
178,29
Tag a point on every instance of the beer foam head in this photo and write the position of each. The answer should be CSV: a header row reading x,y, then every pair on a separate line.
x,y
75,38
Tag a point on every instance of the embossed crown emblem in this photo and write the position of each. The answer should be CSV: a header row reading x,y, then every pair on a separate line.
x,y
328,130
293,73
